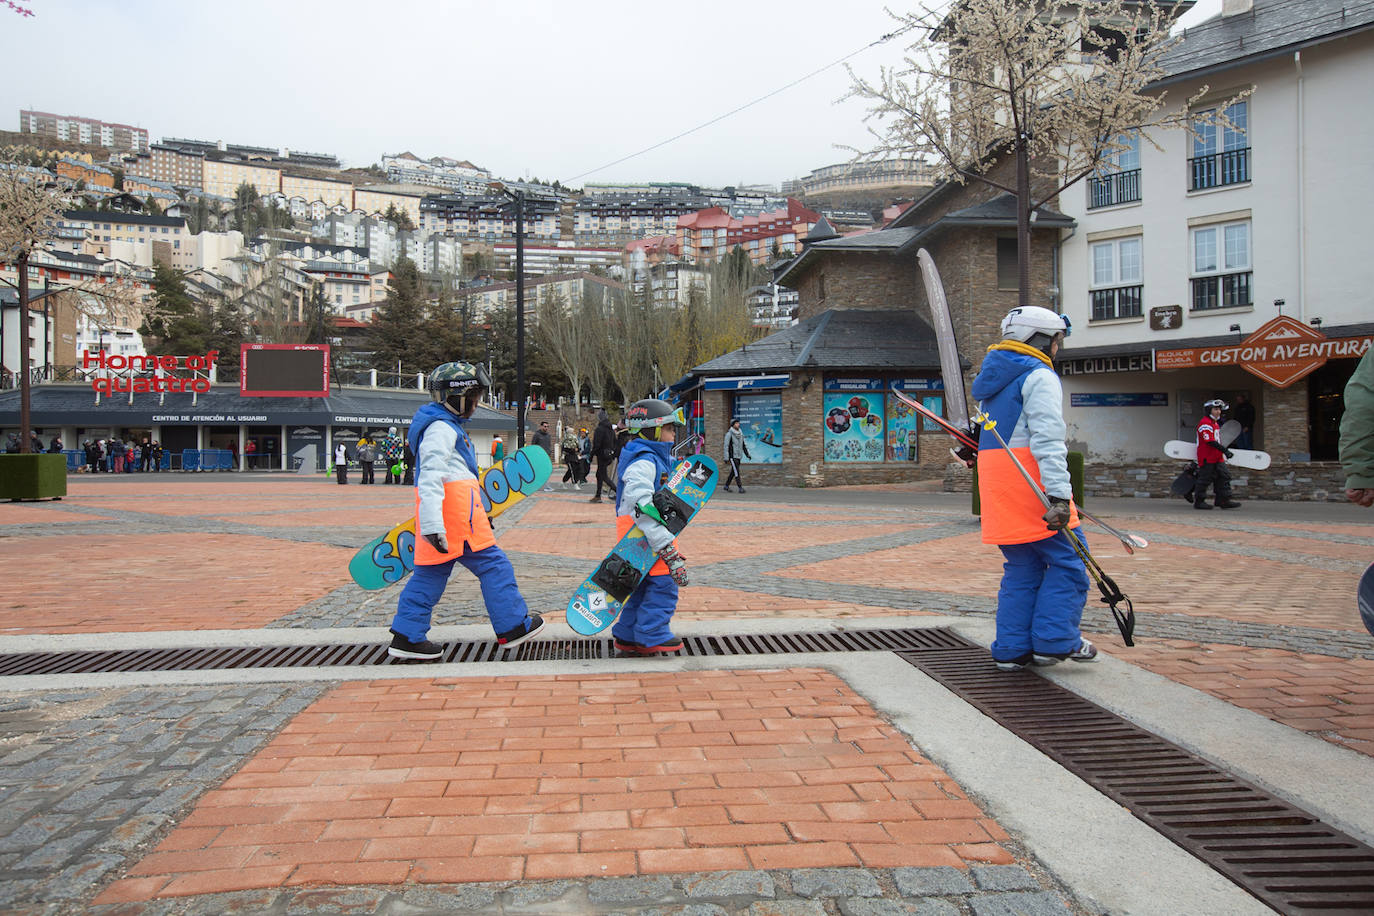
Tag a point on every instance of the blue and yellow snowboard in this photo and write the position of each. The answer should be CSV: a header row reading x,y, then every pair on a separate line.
x,y
390,558
598,600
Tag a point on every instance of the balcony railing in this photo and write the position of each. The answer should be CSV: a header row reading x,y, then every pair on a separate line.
x,y
1223,291
1118,302
1117,188
1218,169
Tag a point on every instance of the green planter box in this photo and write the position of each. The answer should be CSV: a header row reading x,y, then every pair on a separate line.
x,y
33,476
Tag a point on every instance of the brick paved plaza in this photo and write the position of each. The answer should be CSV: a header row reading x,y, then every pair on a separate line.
x,y
778,784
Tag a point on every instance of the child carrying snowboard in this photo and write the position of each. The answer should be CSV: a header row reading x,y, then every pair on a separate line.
x,y
642,627
452,526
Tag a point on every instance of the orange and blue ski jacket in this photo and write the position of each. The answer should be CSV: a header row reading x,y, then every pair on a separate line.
x,y
1017,388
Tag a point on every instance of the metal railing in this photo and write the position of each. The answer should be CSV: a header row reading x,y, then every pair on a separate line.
x,y
1117,188
1218,169
1222,291
1117,302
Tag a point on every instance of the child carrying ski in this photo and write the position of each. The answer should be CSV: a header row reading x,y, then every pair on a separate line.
x,y
1044,581
451,525
645,461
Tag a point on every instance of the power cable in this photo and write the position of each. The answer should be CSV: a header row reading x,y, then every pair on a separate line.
x,y
734,111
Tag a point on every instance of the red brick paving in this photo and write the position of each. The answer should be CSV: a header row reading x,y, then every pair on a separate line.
x,y
143,582
1332,698
481,779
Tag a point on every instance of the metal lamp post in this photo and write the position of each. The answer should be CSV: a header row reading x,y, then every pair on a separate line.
x,y
518,198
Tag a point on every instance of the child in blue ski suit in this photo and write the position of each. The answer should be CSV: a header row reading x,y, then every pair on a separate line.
x,y
451,525
642,627
1044,582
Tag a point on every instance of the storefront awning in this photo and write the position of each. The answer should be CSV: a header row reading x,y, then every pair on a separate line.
x,y
750,382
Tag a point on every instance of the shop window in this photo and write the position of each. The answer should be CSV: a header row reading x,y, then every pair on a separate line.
x,y
760,420
853,413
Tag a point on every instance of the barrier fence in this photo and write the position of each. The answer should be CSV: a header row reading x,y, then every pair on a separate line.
x,y
190,459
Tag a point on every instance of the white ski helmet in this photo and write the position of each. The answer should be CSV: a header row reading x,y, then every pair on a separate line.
x,y
1217,402
1024,322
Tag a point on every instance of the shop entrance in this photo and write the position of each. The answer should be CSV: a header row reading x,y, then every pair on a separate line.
x,y
1325,405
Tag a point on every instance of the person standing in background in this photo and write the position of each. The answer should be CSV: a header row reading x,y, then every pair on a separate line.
x,y
341,463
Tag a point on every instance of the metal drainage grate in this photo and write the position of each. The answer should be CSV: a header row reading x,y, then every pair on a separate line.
x,y
353,654
1281,854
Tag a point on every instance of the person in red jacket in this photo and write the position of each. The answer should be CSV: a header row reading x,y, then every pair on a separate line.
x,y
1211,460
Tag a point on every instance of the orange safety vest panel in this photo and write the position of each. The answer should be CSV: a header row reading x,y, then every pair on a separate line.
x,y
465,522
1012,513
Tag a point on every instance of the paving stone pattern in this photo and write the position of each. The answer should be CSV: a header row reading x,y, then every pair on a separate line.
x,y
90,779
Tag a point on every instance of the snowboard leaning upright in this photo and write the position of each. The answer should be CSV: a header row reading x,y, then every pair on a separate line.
x,y
390,558
599,599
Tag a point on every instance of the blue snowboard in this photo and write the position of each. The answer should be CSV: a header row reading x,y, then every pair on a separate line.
x,y
1366,599
598,600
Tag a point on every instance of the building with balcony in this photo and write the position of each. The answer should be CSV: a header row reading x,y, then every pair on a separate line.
x,y
708,235
438,172
488,217
1183,252
89,131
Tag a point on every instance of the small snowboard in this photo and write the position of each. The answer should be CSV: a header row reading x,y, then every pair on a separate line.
x,y
1184,484
598,600
390,558
1366,599
1240,457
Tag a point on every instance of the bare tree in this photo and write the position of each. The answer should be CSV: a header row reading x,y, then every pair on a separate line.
x,y
31,200
1063,84
30,203
568,339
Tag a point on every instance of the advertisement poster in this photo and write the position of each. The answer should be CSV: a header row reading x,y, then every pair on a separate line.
x,y
853,426
936,405
760,419
901,431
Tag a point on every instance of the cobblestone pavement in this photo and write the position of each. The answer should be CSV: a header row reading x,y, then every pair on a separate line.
x,y
1257,611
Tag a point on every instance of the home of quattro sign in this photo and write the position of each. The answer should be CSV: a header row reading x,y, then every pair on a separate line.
x,y
156,364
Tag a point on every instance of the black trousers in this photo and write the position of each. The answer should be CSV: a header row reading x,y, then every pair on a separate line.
x,y
603,476
341,472
734,474
367,472
1217,477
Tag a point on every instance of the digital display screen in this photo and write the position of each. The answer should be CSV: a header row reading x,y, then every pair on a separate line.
x,y
284,370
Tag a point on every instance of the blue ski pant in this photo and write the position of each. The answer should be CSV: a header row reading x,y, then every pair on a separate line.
x,y
647,613
1040,601
505,607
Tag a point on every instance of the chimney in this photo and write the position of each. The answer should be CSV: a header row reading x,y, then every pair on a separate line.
x,y
1236,7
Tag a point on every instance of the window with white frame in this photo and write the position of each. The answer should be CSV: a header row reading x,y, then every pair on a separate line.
x,y
1221,153
1118,178
1221,266
1117,278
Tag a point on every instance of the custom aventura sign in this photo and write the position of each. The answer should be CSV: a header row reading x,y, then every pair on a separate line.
x,y
161,368
1280,352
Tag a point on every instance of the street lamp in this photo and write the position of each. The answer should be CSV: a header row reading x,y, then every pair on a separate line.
x,y
518,198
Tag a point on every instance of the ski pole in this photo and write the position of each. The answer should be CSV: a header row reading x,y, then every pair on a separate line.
x,y
1111,594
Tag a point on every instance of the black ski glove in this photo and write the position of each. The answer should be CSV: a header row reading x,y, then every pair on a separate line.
x,y
437,541
1057,515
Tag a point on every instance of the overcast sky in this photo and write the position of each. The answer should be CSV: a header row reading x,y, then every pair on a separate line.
x,y
525,88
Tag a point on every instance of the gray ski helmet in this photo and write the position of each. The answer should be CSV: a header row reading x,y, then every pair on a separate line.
x,y
452,383
646,417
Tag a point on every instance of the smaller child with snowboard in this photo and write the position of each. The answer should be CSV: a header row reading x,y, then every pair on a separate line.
x,y
645,462
451,525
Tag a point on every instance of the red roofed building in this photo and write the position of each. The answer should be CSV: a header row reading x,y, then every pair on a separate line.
x,y
708,235
642,253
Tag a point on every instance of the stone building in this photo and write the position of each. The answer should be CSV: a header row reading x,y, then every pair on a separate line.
x,y
822,388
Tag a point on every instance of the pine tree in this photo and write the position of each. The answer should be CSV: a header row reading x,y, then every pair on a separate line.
x,y
398,329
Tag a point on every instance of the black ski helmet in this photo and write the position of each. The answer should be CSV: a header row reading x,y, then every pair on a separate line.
x,y
459,385
645,418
